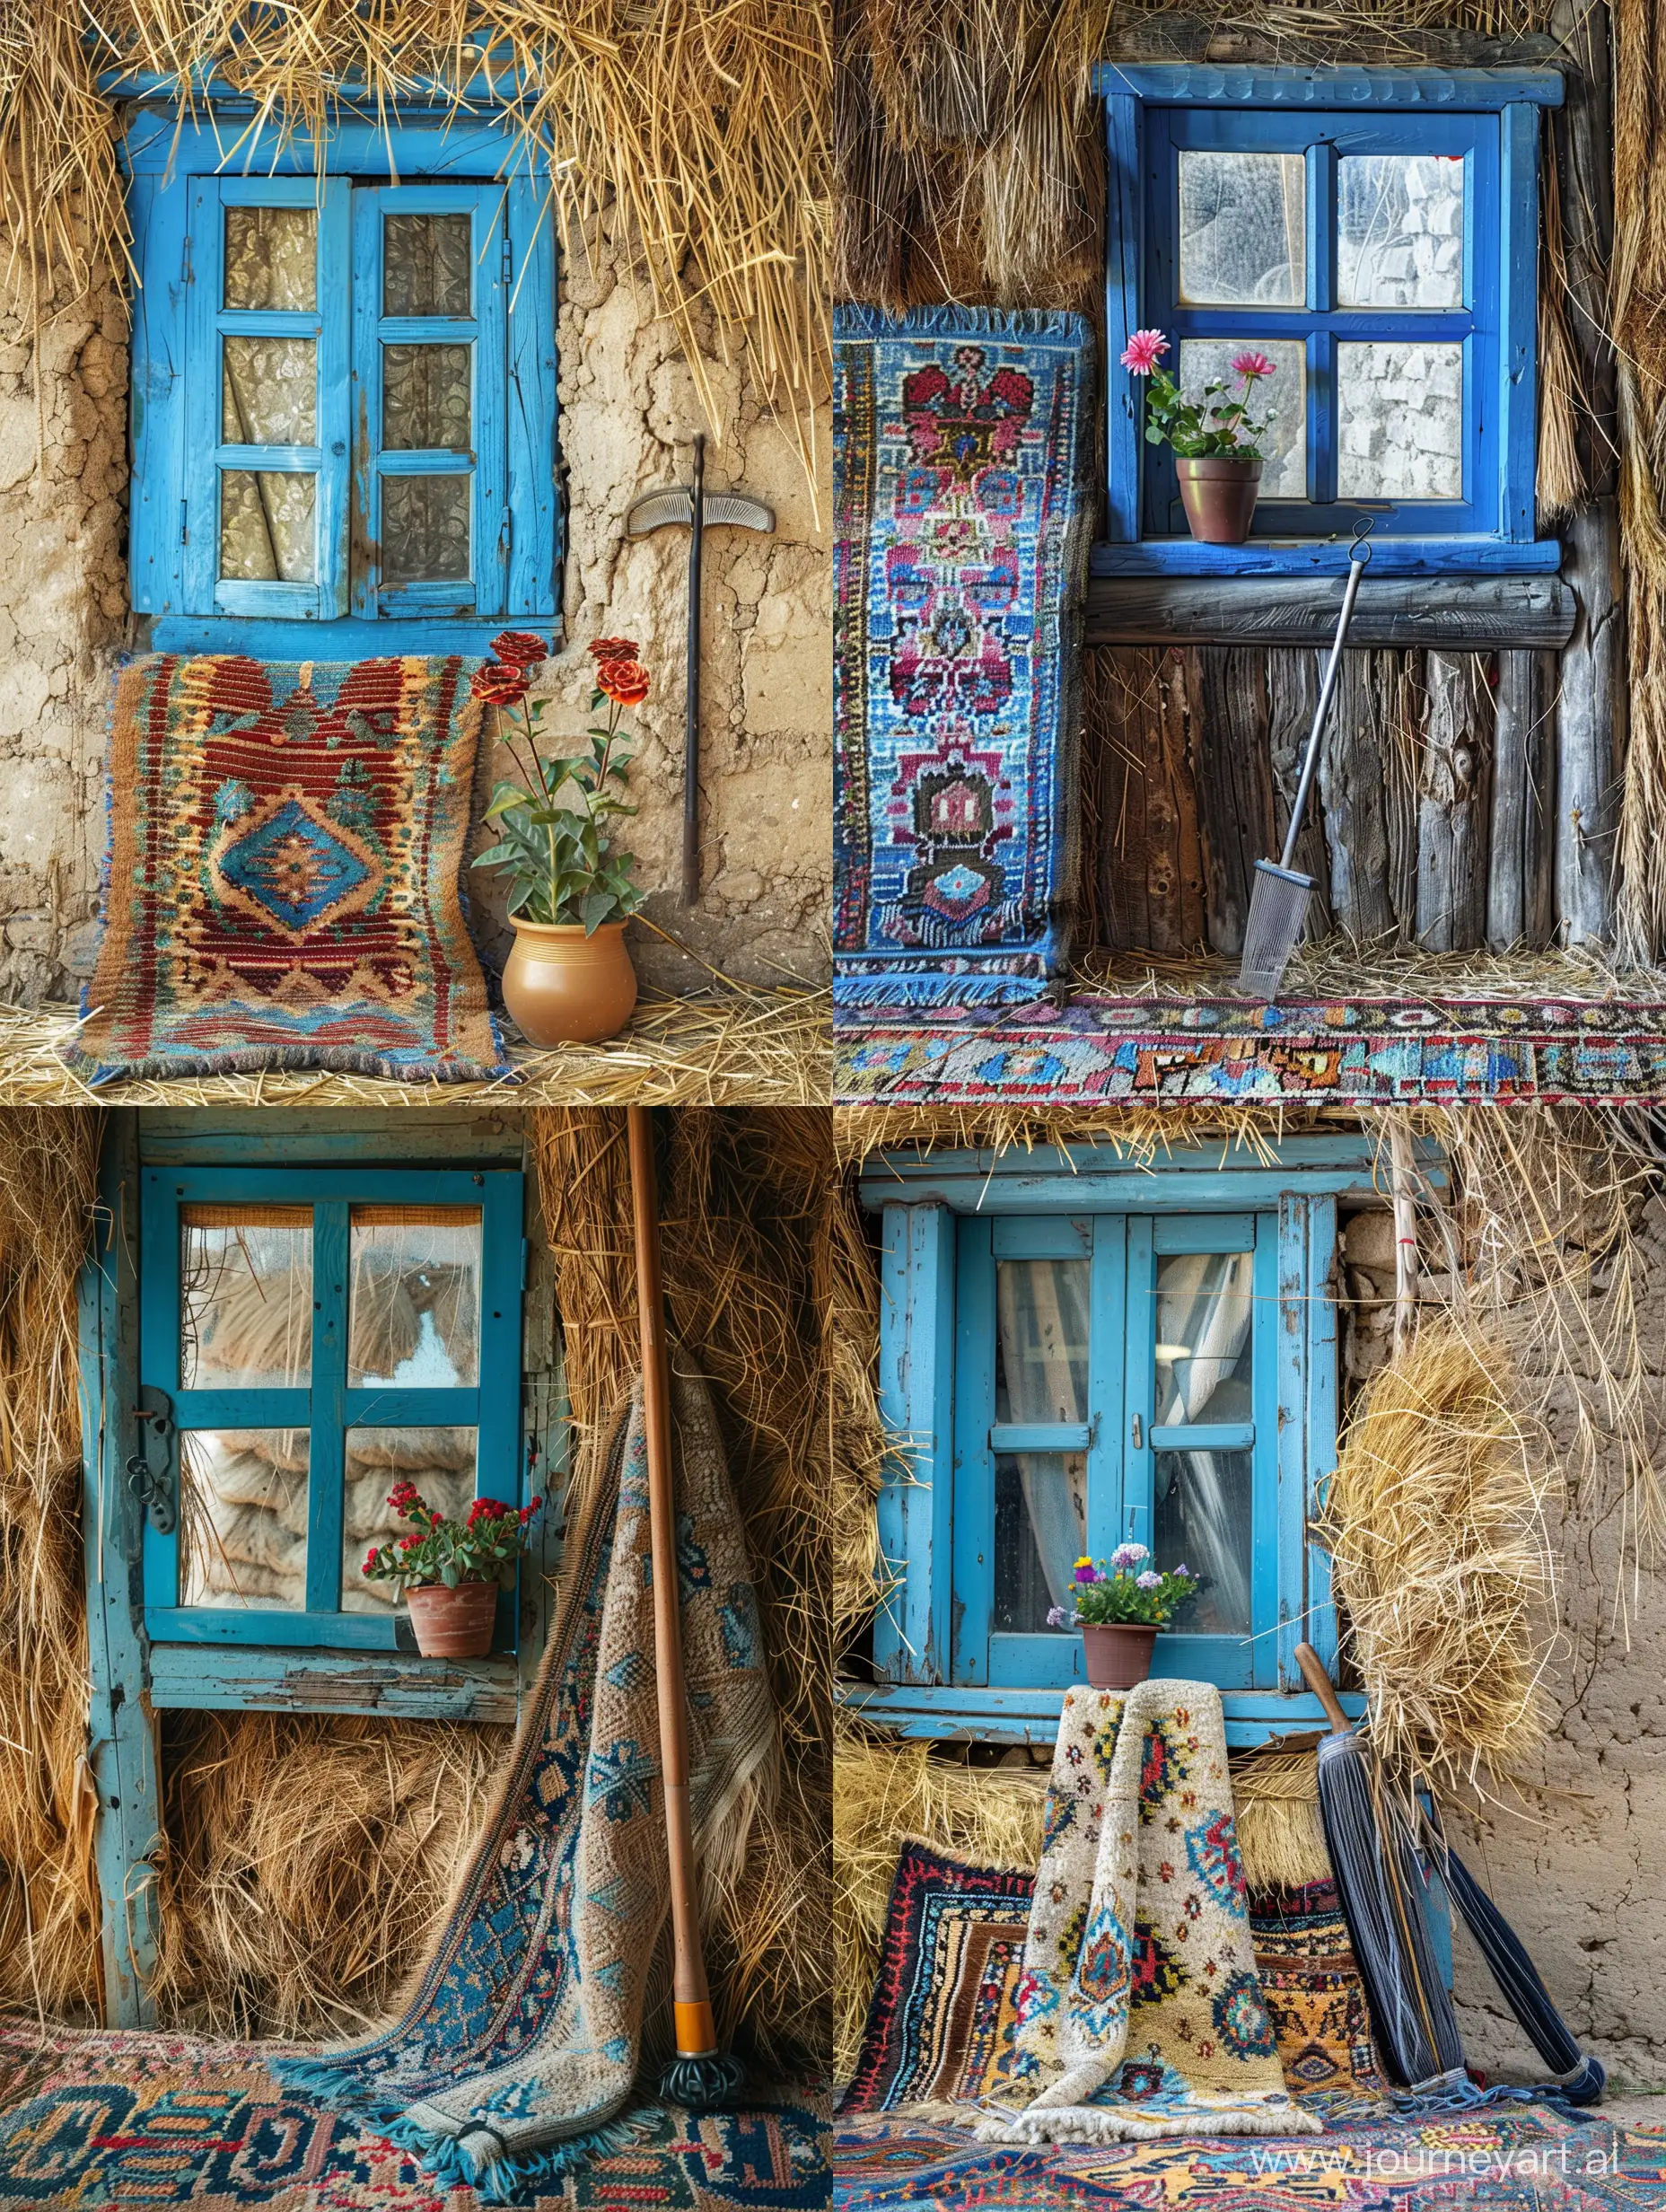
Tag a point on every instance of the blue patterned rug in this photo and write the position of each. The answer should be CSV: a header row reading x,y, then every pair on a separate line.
x,y
962,506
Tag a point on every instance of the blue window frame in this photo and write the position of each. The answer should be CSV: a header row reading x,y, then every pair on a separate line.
x,y
355,428
1075,1354
1282,210
269,1297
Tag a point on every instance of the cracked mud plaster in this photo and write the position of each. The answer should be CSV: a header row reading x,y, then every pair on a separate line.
x,y
629,411
1579,1866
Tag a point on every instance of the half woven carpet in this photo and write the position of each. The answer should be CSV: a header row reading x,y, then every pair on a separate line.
x,y
111,2121
1359,1051
1140,2011
282,887
962,503
515,2059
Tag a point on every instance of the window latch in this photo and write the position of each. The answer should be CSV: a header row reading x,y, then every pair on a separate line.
x,y
1137,1435
150,1469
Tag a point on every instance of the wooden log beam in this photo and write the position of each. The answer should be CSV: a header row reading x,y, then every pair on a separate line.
x,y
1172,34
1452,809
1474,614
1520,882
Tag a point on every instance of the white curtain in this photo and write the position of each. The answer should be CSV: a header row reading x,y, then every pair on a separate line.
x,y
1042,1309
1204,1304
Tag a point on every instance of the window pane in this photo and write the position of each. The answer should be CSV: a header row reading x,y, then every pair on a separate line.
x,y
243,1517
268,392
1206,1316
246,1297
1041,1353
1202,1522
424,397
1400,412
1040,1527
1283,396
1400,230
1243,230
271,257
440,1462
426,262
413,1298
266,528
424,529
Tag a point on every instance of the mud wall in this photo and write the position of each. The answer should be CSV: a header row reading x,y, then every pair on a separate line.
x,y
628,412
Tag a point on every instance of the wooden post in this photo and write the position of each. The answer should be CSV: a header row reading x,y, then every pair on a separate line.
x,y
1592,699
1519,883
1351,787
1403,1194
1451,821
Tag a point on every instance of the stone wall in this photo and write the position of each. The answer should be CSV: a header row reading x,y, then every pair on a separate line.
x,y
629,410
1580,1869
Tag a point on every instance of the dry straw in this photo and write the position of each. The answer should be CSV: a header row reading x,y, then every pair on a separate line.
x,y
701,123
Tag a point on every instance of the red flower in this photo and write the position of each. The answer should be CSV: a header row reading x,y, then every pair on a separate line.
x,y
499,684
525,1515
613,648
486,1509
519,648
370,1560
409,1543
404,1496
626,682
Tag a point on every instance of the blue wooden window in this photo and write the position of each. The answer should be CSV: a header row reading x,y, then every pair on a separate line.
x,y
344,390
1075,1353
1375,232
311,1336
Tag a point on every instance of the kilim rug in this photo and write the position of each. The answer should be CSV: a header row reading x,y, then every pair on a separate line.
x,y
282,887
1360,1051
962,502
1140,2011
942,2023
515,2059
1532,2159
122,2122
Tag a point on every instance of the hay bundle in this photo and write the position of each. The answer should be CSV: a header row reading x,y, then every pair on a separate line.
x,y
703,122
1434,1523
49,1894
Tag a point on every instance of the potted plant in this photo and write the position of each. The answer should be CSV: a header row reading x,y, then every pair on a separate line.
x,y
1120,1612
1216,442
568,979
450,1572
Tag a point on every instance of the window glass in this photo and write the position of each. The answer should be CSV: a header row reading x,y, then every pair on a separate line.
x,y
440,1462
424,529
269,391
426,264
1040,1528
413,1298
1400,414
1205,1331
243,1517
426,398
1202,1522
246,1284
1041,1359
1243,230
1283,397
271,257
1400,230
268,527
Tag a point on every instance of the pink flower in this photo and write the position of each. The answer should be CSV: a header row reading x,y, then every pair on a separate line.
x,y
1251,364
1143,350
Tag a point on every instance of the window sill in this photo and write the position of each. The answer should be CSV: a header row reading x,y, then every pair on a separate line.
x,y
1329,557
1458,614
400,1685
944,1711
351,639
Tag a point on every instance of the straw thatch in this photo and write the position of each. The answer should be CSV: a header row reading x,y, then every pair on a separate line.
x,y
1434,1522
702,122
730,1047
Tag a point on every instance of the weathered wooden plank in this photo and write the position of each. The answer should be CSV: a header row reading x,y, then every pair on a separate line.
x,y
912,1630
1451,809
1355,818
1173,35
275,1136
1293,682
398,1685
1398,679
1148,878
1520,885
1232,765
1479,614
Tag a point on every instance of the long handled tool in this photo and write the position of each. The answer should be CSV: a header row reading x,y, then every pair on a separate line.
x,y
701,2076
694,508
1380,1883
1278,902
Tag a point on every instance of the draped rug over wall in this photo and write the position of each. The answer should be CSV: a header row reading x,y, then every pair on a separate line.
x,y
962,508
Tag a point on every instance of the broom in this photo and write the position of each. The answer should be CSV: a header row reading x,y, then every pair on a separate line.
x,y
700,2077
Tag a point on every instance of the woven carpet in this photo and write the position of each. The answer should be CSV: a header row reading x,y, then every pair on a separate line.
x,y
942,2019
282,884
121,2122
1531,2159
1357,1051
514,2062
961,441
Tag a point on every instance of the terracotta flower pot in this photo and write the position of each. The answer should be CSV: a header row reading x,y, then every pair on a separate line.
x,y
566,988
453,1624
1119,1653
1219,495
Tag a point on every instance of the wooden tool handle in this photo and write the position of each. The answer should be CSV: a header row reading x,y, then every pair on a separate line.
x,y
1313,1671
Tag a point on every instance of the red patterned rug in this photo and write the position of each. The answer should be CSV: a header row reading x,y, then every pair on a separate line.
x,y
282,889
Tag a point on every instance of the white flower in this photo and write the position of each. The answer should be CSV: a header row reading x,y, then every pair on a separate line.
x,y
1128,1555
1057,1617
1148,1580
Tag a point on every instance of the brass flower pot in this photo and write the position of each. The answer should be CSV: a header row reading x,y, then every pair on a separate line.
x,y
563,987
1219,495
1117,1653
453,1624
